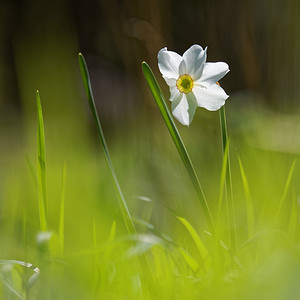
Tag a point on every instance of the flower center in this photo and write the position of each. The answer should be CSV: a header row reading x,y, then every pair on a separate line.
x,y
185,83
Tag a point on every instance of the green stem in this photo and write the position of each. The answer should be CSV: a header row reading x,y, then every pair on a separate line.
x,y
160,101
228,182
41,165
87,85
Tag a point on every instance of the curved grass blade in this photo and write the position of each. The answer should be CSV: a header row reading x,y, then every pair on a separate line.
x,y
41,162
61,227
250,210
228,181
286,187
198,242
222,185
87,85
27,284
30,266
160,101
188,258
293,224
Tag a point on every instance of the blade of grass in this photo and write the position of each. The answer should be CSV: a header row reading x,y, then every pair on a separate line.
x,y
41,162
293,224
160,101
222,185
191,262
88,89
31,170
228,181
26,285
286,187
61,228
21,263
206,258
249,208
95,261
11,288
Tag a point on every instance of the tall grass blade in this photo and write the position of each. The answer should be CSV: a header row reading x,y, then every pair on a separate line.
x,y
41,163
197,240
222,185
250,210
293,224
61,227
286,187
190,261
160,101
88,89
31,170
95,260
228,181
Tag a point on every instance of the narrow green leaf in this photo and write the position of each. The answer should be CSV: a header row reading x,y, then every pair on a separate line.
x,y
192,263
112,233
9,286
27,284
20,263
250,210
160,101
88,89
41,162
286,187
222,183
61,228
31,170
228,180
197,240
293,224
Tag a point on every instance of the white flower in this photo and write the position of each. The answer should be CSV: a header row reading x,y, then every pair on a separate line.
x,y
192,81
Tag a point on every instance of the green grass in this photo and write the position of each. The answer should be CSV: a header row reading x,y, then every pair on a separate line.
x,y
63,233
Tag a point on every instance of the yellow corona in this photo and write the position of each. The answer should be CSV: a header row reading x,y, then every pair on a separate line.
x,y
185,83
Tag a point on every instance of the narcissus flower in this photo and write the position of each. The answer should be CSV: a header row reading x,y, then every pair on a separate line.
x,y
192,81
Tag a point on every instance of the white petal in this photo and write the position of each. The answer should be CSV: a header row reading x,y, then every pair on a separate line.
x,y
173,92
211,98
170,81
194,59
182,68
184,107
168,63
213,72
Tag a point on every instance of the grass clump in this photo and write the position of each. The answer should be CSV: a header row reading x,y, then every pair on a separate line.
x,y
72,241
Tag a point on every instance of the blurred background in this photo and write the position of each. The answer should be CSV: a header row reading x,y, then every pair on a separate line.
x,y
40,40
39,45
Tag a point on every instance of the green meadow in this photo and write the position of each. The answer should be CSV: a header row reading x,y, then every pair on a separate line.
x,y
104,195
63,234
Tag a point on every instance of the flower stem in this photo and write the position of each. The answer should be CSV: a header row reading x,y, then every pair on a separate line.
x,y
228,182
160,101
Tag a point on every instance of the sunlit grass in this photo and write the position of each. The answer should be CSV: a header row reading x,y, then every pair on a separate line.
x,y
85,251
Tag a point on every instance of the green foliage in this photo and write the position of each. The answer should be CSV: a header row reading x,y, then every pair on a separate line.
x,y
80,248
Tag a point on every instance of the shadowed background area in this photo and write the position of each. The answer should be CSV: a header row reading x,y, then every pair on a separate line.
x,y
39,42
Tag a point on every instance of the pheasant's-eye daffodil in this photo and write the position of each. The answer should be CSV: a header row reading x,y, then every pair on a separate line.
x,y
192,81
